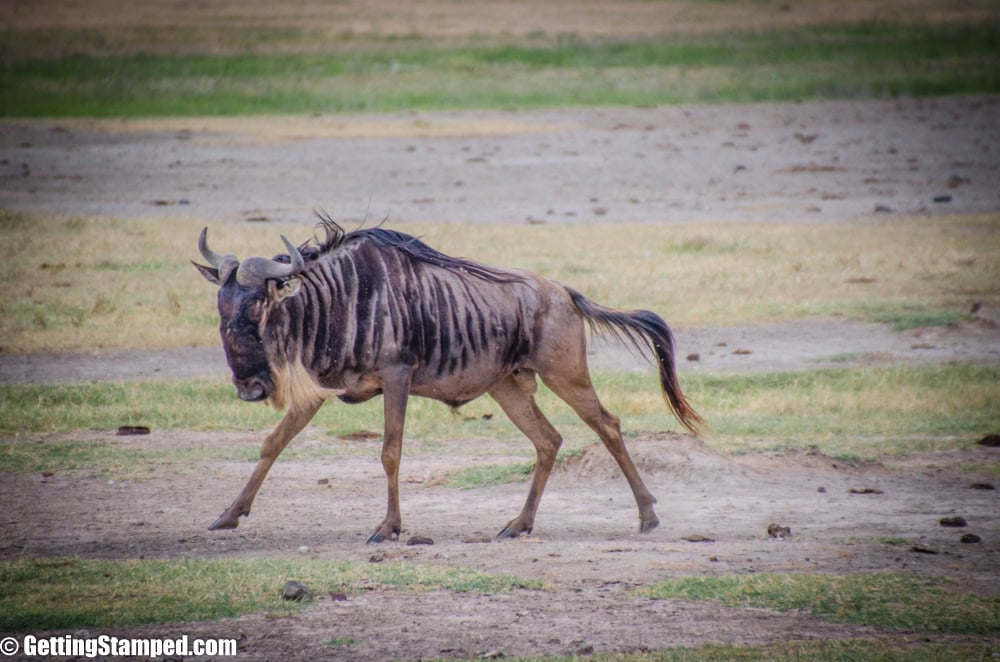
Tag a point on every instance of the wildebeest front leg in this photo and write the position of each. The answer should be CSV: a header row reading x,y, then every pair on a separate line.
x,y
395,392
290,425
515,395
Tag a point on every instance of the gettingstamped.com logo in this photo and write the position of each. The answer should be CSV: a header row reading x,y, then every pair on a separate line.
x,y
105,645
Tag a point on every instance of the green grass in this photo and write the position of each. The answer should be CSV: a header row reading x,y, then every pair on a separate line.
x,y
866,60
857,413
880,600
903,316
63,593
831,650
492,474
500,474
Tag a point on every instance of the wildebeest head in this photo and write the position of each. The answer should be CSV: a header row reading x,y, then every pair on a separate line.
x,y
247,290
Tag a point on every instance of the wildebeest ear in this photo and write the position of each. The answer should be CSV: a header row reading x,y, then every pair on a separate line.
x,y
210,274
279,291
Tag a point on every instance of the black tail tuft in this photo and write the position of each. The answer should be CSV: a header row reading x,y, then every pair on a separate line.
x,y
646,331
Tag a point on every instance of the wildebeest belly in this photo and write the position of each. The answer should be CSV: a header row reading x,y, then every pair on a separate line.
x,y
457,389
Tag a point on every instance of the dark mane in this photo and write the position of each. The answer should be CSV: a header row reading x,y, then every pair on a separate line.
x,y
336,237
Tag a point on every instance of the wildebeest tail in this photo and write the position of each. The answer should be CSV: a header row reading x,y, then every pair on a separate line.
x,y
646,331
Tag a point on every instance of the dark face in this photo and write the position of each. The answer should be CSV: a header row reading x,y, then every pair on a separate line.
x,y
240,311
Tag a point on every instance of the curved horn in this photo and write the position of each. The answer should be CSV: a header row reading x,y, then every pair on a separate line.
x,y
224,264
258,270
213,258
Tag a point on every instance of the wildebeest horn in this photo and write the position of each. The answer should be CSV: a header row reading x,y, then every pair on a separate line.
x,y
224,264
257,270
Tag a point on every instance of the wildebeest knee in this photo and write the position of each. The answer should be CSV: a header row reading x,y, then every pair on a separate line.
x,y
525,380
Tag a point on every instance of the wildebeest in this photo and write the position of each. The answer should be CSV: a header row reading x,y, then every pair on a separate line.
x,y
375,311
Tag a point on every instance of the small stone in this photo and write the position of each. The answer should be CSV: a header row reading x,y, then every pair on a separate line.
x,y
323,481
419,540
864,490
778,531
920,549
970,538
992,440
295,591
697,537
694,357
953,521
982,486
821,489
304,549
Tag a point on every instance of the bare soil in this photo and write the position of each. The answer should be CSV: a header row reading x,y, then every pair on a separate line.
x,y
823,162
585,546
811,163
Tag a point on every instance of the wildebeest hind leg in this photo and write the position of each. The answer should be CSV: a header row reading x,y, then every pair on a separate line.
x,y
572,384
515,395
293,422
395,393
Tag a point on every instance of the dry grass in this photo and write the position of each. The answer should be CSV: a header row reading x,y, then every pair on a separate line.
x,y
92,284
725,274
50,28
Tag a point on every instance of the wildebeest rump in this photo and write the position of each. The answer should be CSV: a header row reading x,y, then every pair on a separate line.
x,y
374,311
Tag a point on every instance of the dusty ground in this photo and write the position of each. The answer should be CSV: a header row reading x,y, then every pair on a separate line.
x,y
821,162
585,546
816,162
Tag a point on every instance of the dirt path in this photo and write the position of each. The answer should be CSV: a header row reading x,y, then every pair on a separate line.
x,y
585,546
790,162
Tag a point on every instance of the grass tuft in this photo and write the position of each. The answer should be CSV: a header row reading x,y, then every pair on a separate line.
x,y
494,474
832,650
861,413
881,600
63,593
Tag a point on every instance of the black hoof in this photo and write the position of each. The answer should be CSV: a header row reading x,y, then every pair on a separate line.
x,y
225,521
381,536
513,531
